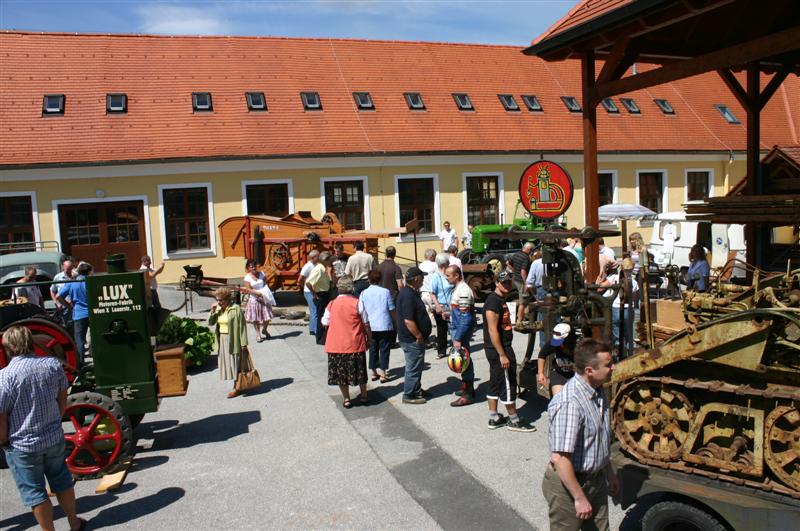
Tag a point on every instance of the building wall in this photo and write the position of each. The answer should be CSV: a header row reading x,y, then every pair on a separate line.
x,y
53,187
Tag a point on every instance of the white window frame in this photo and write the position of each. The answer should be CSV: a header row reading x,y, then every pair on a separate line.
x,y
114,109
364,101
307,104
686,171
501,199
196,105
409,96
212,226
365,184
527,98
664,194
614,196
289,190
610,106
248,96
509,102
112,199
437,214
34,211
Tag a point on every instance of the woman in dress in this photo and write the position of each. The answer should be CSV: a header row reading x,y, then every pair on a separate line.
x,y
346,342
259,309
231,332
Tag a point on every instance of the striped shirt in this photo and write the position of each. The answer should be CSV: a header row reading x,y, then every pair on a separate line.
x,y
29,388
580,425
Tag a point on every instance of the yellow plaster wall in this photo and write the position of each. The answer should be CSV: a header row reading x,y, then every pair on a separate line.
x,y
227,198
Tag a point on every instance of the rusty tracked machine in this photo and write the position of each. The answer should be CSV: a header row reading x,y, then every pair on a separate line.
x,y
720,398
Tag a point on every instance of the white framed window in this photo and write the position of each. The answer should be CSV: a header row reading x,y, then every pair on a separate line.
x,y
201,101
116,103
186,213
463,102
508,101
665,106
571,103
348,198
651,191
610,106
271,197
19,218
364,101
698,184
311,101
726,113
256,101
417,196
53,104
630,105
532,103
483,199
414,101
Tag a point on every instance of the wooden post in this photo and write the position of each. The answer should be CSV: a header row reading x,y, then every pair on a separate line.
x,y
590,182
754,185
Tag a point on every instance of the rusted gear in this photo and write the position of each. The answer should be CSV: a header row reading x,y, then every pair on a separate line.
x,y
652,420
782,444
280,256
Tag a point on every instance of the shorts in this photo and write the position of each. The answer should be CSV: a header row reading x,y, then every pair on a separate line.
x,y
522,293
502,382
558,378
29,470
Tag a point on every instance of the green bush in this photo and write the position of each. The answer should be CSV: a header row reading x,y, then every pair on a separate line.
x,y
199,340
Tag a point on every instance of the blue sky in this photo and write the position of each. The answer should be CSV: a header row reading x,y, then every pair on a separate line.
x,y
514,22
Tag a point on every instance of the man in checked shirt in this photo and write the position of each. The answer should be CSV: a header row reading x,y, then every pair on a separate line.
x,y
579,477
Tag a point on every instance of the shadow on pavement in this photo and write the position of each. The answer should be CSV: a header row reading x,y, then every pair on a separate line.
x,y
533,408
216,428
131,510
286,335
269,385
211,364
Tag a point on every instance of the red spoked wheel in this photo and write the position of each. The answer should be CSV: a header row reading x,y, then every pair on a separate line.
x,y
98,435
50,339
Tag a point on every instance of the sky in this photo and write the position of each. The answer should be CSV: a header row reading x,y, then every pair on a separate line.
x,y
513,22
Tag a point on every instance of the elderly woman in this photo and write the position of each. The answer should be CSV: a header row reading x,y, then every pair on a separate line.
x,y
346,342
699,270
231,332
259,306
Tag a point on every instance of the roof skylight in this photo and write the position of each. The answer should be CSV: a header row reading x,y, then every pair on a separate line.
x,y
311,101
463,102
363,101
727,113
256,101
571,103
116,103
665,106
201,101
630,105
532,103
610,106
53,104
414,101
508,101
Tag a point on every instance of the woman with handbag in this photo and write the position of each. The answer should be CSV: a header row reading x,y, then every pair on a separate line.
x,y
346,342
231,331
259,305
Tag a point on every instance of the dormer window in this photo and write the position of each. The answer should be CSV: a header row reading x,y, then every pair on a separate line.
x,y
53,104
116,103
665,106
463,102
508,101
571,102
727,114
414,101
364,101
630,105
201,101
311,101
256,101
610,106
532,103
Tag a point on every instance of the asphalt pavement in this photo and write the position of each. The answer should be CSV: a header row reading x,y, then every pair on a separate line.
x,y
288,456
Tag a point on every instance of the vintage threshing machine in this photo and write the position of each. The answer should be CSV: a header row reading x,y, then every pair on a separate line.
x,y
126,377
281,245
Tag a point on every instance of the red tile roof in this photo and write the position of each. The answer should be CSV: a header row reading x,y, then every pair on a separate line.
x,y
159,74
583,12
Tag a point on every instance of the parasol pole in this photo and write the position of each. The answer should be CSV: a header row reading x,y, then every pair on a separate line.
x,y
624,237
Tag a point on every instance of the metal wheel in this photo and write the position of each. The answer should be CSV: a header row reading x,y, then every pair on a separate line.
x,y
50,339
782,445
98,435
279,256
652,420
496,261
468,257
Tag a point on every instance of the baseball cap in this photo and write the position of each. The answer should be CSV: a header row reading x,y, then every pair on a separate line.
x,y
414,271
503,276
560,333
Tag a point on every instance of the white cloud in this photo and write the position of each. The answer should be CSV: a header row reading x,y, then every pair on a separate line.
x,y
182,20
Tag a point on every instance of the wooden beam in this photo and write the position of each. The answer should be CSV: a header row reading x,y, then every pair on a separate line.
x,y
768,46
735,87
618,61
755,247
590,182
772,86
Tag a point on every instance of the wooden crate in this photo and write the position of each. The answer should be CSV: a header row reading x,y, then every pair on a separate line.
x,y
669,314
171,371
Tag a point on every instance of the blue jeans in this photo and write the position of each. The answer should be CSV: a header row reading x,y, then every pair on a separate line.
x,y
30,468
379,349
81,328
312,312
415,361
615,317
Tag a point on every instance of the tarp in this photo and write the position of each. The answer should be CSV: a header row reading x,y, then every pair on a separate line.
x,y
625,211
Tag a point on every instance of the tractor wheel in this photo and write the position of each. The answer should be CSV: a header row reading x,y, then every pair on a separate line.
x,y
98,435
496,261
50,339
467,256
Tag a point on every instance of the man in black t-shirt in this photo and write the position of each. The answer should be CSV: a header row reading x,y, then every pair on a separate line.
x,y
413,328
561,346
498,336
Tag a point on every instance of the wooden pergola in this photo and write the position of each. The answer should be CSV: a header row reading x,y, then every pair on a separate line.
x,y
684,38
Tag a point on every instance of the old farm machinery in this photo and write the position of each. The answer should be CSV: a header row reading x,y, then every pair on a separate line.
x,y
125,378
281,245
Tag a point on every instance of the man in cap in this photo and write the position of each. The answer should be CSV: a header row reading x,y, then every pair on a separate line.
x,y
497,336
560,346
413,329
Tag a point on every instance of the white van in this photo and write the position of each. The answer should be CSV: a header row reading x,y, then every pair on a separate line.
x,y
723,241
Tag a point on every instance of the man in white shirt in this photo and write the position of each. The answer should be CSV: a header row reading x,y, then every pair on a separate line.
x,y
606,251
358,267
454,259
313,258
67,268
448,237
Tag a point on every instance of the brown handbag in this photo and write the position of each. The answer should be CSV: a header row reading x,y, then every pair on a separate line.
x,y
247,379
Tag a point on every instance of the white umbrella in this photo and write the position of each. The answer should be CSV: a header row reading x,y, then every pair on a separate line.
x,y
625,212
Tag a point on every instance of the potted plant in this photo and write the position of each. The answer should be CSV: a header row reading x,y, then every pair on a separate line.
x,y
198,339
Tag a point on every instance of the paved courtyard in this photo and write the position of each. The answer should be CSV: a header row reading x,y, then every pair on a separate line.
x,y
289,457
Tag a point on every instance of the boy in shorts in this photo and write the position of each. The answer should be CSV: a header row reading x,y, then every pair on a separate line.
x,y
497,336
